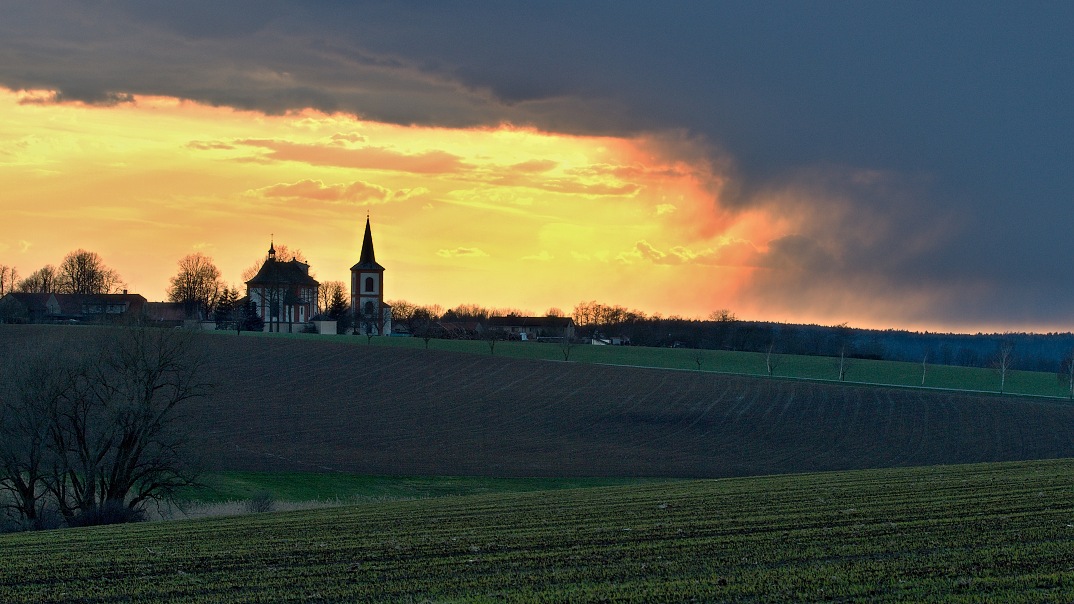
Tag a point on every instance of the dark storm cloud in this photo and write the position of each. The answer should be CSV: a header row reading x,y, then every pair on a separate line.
x,y
963,109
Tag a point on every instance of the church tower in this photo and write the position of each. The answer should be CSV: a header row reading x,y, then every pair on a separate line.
x,y
371,314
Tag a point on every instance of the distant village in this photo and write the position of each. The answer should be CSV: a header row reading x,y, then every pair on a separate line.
x,y
281,297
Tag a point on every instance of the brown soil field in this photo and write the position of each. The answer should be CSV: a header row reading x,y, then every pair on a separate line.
x,y
281,404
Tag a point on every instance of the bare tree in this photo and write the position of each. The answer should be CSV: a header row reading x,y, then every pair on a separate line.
x,y
83,272
492,336
339,309
42,281
327,292
1003,361
38,384
726,323
844,345
9,276
566,344
772,359
423,324
101,433
722,315
844,362
924,366
197,285
403,312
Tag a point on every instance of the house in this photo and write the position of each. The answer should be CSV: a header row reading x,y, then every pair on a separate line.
x,y
81,308
97,308
534,328
284,293
165,314
458,330
371,314
600,340
28,308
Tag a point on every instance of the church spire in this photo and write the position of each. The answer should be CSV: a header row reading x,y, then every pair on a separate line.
x,y
368,261
368,257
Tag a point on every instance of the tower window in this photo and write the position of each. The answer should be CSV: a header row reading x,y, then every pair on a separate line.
x,y
369,284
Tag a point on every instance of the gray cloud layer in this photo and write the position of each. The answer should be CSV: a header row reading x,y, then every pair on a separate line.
x,y
964,110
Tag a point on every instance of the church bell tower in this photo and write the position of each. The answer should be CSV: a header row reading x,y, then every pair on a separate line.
x,y
370,313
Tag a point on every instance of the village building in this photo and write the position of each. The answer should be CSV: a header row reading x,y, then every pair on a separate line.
x,y
19,307
284,293
372,315
533,328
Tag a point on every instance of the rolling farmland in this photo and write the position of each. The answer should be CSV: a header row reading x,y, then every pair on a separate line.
x,y
324,406
995,532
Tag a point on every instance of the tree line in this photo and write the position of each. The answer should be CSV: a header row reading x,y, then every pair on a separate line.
x,y
723,330
80,272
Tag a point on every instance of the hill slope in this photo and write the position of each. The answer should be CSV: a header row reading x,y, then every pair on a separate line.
x,y
282,404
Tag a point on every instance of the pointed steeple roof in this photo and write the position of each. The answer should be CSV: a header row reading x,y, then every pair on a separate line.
x,y
368,259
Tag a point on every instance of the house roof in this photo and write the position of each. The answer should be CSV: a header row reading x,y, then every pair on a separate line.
x,y
535,322
368,260
73,304
33,303
165,311
273,272
460,325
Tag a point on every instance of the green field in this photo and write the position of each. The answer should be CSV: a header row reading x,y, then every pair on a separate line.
x,y
863,371
327,487
976,533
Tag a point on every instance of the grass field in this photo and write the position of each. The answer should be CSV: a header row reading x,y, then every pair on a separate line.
x,y
328,487
742,363
977,533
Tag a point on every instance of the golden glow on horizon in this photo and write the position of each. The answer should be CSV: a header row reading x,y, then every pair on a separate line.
x,y
503,217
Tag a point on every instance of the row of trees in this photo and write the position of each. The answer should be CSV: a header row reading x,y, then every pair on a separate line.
x,y
81,272
92,434
722,330
197,284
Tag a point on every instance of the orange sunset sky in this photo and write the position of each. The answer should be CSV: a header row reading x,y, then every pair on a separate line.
x,y
866,163
505,216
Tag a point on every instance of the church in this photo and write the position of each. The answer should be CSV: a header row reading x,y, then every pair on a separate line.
x,y
286,295
372,316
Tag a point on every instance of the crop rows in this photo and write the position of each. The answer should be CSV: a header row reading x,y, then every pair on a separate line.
x,y
298,405
1000,532
368,410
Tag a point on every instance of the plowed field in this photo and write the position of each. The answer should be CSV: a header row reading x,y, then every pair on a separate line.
x,y
327,406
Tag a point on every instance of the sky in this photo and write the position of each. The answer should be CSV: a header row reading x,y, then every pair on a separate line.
x,y
888,165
